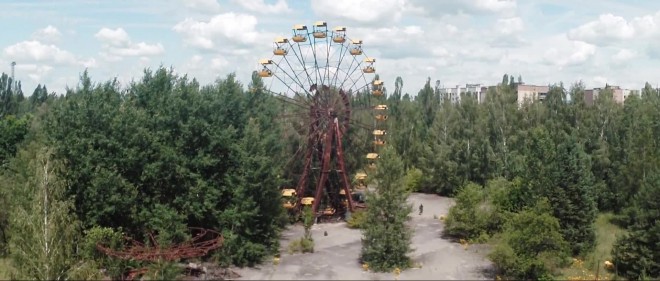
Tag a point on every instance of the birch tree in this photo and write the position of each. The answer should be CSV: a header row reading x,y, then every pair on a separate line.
x,y
43,229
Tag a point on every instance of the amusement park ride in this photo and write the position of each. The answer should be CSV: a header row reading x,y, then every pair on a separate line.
x,y
319,71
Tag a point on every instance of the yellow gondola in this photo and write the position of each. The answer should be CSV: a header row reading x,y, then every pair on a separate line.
x,y
300,33
379,133
320,29
357,49
381,117
339,35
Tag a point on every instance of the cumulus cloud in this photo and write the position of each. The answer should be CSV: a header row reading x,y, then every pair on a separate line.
x,y
230,28
259,6
49,34
623,55
35,51
364,12
116,44
571,54
609,29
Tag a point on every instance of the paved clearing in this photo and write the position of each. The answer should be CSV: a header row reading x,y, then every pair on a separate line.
x,y
336,255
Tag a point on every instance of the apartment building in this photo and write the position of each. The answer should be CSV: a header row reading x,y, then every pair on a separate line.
x,y
619,95
478,91
530,93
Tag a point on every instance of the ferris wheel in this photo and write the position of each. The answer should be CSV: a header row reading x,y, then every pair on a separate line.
x,y
319,71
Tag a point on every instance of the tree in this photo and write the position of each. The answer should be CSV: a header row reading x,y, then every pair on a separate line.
x,y
637,253
386,237
572,196
532,246
44,230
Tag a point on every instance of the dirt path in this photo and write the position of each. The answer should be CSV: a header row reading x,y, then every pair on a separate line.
x,y
336,255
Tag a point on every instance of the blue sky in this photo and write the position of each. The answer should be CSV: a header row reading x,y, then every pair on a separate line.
x,y
456,42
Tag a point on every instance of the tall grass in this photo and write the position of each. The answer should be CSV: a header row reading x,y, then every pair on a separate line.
x,y
592,265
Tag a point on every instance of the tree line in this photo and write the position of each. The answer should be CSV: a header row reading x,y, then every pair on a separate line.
x,y
166,153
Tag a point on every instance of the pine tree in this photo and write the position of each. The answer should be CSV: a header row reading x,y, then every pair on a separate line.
x,y
386,237
572,196
637,254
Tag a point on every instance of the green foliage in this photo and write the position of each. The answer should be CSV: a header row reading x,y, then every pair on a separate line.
x,y
481,212
386,236
467,219
111,238
166,154
302,245
531,245
637,253
43,231
12,132
357,219
572,197
412,179
163,270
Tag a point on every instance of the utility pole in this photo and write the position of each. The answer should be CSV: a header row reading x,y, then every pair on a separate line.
x,y
13,82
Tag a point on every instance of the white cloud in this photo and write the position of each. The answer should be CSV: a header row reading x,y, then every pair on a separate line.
x,y
438,8
510,26
229,28
113,37
49,34
623,55
117,44
203,6
609,29
35,51
571,54
36,72
259,6
365,11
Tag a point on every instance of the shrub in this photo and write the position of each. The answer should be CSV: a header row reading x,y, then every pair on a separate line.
x,y
531,246
466,219
412,180
302,245
357,219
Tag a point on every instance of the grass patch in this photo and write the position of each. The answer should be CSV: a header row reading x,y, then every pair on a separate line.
x,y
586,269
5,269
302,245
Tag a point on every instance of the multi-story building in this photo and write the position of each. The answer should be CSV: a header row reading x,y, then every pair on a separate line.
x,y
531,93
618,95
478,91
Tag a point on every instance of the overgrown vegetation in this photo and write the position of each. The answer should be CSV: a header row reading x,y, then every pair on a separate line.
x,y
306,243
357,219
386,236
165,153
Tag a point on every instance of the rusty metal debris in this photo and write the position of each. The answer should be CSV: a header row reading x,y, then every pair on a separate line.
x,y
202,242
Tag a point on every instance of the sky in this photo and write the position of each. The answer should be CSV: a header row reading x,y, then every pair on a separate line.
x,y
456,42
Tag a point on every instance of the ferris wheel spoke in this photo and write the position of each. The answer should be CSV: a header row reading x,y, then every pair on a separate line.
x,y
352,70
292,77
286,99
297,77
342,52
303,63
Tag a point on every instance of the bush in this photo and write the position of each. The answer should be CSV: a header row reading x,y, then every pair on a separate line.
x,y
357,219
412,180
479,212
110,238
466,219
531,246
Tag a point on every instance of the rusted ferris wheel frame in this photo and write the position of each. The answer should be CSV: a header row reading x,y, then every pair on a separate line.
x,y
204,241
317,70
